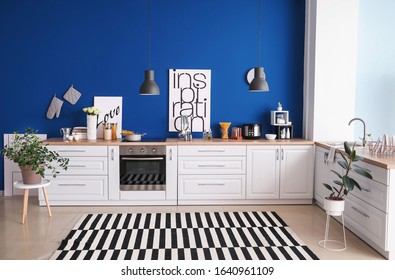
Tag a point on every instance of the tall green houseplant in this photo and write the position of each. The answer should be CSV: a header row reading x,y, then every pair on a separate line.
x,y
345,183
29,152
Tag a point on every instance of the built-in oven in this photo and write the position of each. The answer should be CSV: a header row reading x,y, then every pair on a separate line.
x,y
142,168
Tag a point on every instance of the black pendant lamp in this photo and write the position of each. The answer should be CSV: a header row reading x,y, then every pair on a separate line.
x,y
149,86
259,84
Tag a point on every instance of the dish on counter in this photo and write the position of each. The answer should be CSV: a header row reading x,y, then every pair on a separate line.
x,y
131,136
270,136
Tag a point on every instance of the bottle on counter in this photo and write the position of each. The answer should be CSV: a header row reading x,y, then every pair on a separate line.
x,y
282,133
114,131
288,133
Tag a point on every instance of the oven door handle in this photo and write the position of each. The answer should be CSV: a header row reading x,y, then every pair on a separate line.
x,y
141,159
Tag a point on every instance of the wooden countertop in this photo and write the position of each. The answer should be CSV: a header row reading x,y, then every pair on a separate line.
x,y
176,141
387,162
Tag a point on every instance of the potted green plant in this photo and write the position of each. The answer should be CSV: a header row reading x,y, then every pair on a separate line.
x,y
279,106
33,157
334,203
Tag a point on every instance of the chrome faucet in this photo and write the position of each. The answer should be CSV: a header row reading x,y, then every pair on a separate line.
x,y
364,130
185,133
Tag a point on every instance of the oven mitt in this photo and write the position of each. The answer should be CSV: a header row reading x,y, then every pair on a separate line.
x,y
54,108
72,95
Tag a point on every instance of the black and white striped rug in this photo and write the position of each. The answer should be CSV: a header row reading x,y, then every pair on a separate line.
x,y
183,236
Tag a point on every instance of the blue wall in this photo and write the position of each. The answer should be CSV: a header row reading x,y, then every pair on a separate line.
x,y
100,46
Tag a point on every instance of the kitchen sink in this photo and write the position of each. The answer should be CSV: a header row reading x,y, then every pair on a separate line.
x,y
340,144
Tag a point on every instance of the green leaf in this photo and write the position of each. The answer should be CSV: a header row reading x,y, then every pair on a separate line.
x,y
348,183
328,186
362,172
343,164
337,173
352,155
356,184
357,158
337,182
347,147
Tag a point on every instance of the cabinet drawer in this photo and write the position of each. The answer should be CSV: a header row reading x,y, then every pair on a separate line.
x,y
373,193
367,220
77,188
211,187
212,150
80,151
379,174
211,165
86,166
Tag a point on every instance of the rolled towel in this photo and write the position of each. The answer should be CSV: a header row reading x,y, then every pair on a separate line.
x,y
331,155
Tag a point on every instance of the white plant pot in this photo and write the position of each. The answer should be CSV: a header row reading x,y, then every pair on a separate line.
x,y
91,127
334,207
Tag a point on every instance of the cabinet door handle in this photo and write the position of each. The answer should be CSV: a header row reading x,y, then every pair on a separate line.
x,y
77,165
282,154
326,158
213,184
211,151
72,151
366,190
171,154
360,212
277,154
112,154
211,165
69,185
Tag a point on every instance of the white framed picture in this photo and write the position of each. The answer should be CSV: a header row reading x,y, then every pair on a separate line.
x,y
110,112
189,95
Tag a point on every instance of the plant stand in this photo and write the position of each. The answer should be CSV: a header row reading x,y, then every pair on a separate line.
x,y
323,243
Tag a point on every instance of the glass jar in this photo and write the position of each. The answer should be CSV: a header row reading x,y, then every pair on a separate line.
x,y
207,134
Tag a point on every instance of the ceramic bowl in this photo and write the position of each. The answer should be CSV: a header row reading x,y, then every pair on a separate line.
x,y
70,137
270,136
134,137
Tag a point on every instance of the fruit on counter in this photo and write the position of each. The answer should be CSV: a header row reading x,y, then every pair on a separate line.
x,y
127,132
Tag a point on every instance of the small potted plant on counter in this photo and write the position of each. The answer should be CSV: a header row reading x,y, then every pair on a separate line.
x,y
334,203
33,157
279,106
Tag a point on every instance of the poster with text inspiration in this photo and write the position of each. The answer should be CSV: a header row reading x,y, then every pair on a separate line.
x,y
189,95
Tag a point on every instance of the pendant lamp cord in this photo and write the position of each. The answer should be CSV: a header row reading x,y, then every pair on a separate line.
x,y
259,33
149,33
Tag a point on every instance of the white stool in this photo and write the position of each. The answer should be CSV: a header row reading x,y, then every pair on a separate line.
x,y
323,243
25,187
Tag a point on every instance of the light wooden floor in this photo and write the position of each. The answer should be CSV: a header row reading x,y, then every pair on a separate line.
x,y
40,236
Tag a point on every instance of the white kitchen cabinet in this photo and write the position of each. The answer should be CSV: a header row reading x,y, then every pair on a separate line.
x,y
296,172
263,172
211,174
85,180
280,172
368,212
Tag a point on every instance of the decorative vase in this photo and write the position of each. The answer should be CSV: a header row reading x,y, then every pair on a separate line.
x,y
29,176
334,207
91,121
